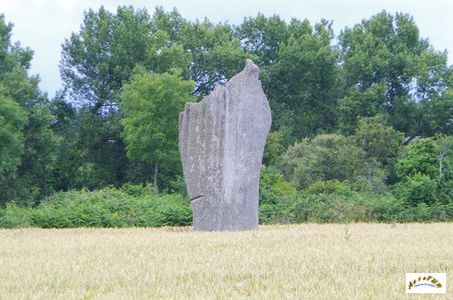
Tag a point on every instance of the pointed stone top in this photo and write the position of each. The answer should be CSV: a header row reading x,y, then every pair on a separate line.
x,y
250,67
250,72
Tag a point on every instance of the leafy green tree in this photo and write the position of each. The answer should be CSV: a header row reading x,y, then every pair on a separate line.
x,y
262,37
425,171
100,58
12,120
378,140
206,53
67,161
325,157
166,51
416,189
216,53
151,104
387,68
26,121
445,158
434,94
96,62
40,151
419,157
171,23
302,84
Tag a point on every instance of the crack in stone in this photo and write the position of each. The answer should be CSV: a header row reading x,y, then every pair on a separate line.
x,y
195,198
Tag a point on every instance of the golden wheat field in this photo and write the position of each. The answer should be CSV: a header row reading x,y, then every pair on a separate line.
x,y
310,261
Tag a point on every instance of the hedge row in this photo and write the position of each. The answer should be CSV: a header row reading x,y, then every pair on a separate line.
x,y
322,202
108,207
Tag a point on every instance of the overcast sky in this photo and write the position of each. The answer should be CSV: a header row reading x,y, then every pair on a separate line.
x,y
43,25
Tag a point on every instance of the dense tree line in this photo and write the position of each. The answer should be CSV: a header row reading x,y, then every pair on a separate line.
x,y
363,114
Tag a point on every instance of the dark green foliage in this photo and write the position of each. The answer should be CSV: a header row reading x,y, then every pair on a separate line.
x,y
418,157
262,37
14,216
100,58
415,189
215,52
277,196
12,121
387,68
276,144
330,201
108,207
326,157
135,205
95,64
362,128
334,201
302,84
379,140
27,143
425,170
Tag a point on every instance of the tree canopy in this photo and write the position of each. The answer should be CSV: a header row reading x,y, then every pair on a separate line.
x,y
151,105
365,113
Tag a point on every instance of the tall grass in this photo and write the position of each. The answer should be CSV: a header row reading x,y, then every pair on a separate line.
x,y
309,261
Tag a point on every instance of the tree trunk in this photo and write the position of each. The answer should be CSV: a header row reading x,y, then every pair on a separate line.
x,y
155,187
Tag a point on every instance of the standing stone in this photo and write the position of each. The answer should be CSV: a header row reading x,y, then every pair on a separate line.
x,y
221,141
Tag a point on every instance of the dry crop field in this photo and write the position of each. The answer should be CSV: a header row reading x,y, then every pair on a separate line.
x,y
310,261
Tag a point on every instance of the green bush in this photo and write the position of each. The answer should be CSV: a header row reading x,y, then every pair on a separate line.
x,y
108,207
276,197
330,201
335,201
442,212
137,190
379,140
416,189
419,157
422,212
325,157
13,216
385,208
321,202
165,210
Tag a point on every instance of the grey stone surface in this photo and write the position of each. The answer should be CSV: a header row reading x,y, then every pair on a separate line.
x,y
221,141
